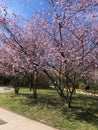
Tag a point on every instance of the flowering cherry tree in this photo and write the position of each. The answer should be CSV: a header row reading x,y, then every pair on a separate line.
x,y
63,43
73,33
24,44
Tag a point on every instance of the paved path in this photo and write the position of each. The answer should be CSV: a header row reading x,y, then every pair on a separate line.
x,y
5,89
17,122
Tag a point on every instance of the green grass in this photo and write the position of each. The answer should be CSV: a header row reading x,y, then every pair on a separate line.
x,y
49,110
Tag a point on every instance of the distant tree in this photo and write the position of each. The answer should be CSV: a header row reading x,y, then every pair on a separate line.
x,y
43,80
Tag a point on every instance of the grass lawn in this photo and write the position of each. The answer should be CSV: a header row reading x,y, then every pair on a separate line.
x,y
47,108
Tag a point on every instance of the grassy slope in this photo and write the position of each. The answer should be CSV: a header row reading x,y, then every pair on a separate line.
x,y
48,109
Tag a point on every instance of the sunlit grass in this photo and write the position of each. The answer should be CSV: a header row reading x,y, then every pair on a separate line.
x,y
47,108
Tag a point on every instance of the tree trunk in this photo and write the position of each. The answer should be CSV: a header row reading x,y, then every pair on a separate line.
x,y
35,84
16,89
16,85
34,92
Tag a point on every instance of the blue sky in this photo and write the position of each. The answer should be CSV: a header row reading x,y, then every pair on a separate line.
x,y
25,7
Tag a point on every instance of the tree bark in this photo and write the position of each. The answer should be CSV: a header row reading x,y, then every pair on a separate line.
x,y
16,89
35,84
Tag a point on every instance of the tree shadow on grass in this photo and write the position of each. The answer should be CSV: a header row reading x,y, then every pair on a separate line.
x,y
50,101
21,94
85,109
88,116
